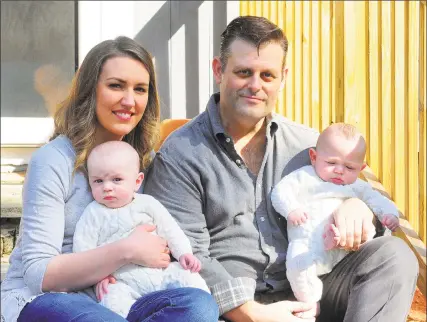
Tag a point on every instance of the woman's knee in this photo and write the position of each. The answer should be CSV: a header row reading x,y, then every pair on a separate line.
x,y
66,307
202,304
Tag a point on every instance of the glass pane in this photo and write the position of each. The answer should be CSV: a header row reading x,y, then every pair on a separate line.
x,y
37,56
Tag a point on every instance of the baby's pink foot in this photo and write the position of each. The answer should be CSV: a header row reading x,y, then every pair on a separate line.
x,y
331,237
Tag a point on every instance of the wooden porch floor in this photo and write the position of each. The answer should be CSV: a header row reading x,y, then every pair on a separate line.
x,y
418,308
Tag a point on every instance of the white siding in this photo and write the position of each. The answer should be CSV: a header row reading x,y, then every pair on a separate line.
x,y
183,36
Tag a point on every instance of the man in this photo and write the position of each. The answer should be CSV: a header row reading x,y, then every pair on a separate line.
x,y
215,176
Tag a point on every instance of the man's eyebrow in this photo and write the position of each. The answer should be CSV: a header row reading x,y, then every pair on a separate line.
x,y
241,67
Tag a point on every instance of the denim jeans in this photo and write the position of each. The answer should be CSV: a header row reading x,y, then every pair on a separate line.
x,y
178,305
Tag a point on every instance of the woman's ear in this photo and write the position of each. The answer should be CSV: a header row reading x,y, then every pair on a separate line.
x,y
139,180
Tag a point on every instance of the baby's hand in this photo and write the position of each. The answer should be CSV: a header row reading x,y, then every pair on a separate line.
x,y
189,261
390,221
101,288
297,217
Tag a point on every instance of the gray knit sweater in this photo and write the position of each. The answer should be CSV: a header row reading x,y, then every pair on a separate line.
x,y
53,201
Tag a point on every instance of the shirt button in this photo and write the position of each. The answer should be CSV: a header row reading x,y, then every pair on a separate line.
x,y
238,162
262,219
227,140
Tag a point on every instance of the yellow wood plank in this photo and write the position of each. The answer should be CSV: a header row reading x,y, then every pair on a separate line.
x,y
356,64
244,8
338,62
423,127
326,64
413,97
256,8
351,28
316,33
400,127
306,63
298,80
290,60
387,95
375,97
280,14
362,74
266,10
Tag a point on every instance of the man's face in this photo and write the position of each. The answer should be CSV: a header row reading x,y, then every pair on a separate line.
x,y
250,82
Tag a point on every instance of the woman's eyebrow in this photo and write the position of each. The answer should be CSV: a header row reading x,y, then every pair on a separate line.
x,y
123,81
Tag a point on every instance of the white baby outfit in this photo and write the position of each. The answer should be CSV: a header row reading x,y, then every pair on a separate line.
x,y
100,225
306,256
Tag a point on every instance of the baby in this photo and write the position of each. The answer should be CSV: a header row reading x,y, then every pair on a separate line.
x,y
114,177
307,198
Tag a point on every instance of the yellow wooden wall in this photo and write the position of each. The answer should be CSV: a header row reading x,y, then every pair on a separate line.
x,y
361,62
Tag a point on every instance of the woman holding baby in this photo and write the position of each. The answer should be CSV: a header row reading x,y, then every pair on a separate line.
x,y
113,97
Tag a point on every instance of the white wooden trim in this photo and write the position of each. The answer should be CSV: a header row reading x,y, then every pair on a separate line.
x,y
233,10
25,131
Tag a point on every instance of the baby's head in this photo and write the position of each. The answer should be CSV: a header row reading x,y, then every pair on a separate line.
x,y
113,172
339,154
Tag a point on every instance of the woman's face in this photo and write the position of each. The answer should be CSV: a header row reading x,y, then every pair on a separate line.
x,y
121,97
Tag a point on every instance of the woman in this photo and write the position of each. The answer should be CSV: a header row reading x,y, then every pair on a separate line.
x,y
113,97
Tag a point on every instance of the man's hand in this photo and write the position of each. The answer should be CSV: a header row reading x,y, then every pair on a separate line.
x,y
190,262
283,311
353,219
101,288
297,217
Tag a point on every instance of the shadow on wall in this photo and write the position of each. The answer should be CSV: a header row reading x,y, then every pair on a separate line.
x,y
38,53
155,37
37,56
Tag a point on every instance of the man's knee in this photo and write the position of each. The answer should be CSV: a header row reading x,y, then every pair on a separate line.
x,y
396,255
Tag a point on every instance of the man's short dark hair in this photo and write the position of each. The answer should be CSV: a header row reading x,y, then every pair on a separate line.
x,y
255,30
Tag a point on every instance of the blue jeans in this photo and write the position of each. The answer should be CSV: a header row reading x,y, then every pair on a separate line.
x,y
180,304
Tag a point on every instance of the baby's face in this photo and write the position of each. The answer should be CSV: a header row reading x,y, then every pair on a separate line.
x,y
113,182
339,162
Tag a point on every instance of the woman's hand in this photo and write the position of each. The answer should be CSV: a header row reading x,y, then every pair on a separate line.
x,y
147,249
101,289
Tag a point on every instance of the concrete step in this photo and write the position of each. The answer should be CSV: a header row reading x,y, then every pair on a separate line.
x,y
11,200
4,267
12,177
11,212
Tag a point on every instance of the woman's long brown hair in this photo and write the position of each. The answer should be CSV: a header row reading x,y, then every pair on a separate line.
x,y
76,116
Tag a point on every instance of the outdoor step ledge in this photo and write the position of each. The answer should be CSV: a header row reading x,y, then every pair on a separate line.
x,y
4,267
11,200
12,177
